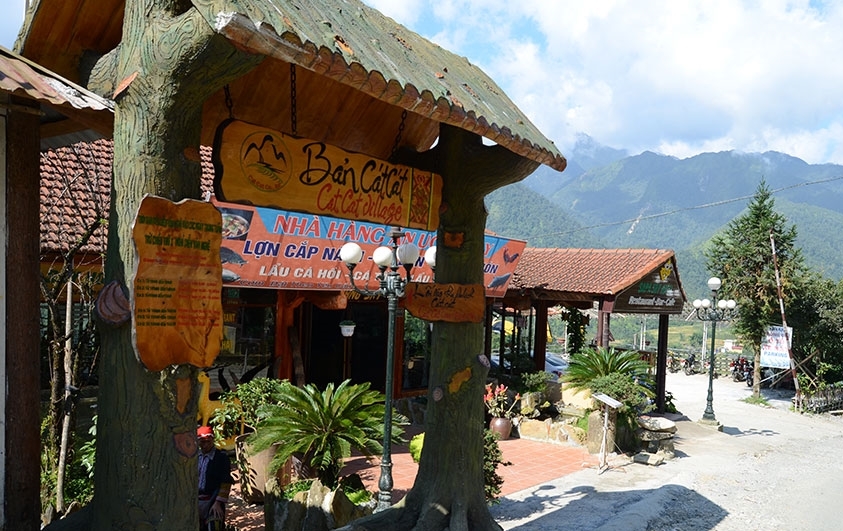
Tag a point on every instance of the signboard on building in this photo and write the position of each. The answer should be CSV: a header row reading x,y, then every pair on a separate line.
x,y
775,348
176,303
279,249
658,292
258,166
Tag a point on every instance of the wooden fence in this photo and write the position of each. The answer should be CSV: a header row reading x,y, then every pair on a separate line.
x,y
822,401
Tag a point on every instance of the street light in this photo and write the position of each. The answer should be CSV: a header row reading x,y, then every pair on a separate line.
x,y
713,310
389,259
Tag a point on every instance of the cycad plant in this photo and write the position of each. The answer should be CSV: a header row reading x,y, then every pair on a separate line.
x,y
323,427
590,364
623,375
620,374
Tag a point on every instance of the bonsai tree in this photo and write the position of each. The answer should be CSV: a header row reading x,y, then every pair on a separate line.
x,y
323,427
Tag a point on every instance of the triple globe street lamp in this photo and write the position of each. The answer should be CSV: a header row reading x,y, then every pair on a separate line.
x,y
713,311
390,259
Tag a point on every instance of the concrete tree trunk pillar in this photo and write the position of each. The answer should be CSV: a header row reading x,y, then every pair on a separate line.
x,y
455,416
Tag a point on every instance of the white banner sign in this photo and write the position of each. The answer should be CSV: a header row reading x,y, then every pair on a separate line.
x,y
774,348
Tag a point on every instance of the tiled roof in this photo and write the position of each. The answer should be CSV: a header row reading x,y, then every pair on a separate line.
x,y
75,186
66,107
345,41
585,272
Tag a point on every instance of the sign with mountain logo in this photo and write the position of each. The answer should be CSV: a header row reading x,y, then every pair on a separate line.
x,y
256,165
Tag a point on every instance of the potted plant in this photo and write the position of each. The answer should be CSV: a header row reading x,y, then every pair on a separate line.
x,y
319,429
501,407
239,414
347,328
323,427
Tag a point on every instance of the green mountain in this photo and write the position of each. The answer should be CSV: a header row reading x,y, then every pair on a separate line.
x,y
518,212
656,201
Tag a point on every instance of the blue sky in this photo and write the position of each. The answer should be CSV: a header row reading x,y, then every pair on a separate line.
x,y
677,78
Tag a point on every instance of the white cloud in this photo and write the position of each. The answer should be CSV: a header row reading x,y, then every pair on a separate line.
x,y
675,77
11,22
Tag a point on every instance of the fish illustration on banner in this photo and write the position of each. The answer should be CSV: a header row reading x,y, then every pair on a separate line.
x,y
279,249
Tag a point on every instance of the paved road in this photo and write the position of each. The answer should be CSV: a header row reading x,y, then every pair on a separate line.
x,y
769,469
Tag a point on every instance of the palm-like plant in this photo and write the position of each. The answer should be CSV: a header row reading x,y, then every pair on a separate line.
x,y
324,426
590,364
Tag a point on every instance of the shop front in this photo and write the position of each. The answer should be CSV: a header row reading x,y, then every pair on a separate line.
x,y
286,293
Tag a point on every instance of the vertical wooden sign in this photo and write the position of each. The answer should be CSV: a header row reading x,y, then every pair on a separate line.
x,y
176,294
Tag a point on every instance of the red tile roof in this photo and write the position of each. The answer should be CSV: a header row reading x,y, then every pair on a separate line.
x,y
76,186
585,272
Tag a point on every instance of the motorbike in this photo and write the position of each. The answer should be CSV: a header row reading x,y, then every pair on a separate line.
x,y
692,365
674,364
742,370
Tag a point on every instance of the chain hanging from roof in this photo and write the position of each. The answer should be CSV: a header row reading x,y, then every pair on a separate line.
x,y
229,103
400,132
293,115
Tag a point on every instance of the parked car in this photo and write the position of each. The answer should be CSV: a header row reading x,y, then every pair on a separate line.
x,y
554,364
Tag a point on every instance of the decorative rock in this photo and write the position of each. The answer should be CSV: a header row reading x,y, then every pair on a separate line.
x,y
576,434
542,430
530,402
666,449
319,509
657,424
647,435
648,459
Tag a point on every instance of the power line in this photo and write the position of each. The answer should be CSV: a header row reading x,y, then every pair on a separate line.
x,y
678,210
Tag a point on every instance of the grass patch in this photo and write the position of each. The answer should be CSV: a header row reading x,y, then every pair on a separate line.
x,y
758,401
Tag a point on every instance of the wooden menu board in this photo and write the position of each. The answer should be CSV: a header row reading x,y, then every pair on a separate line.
x,y
176,294
454,303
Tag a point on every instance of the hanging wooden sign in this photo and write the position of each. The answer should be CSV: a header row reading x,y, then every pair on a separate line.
x,y
176,295
658,292
258,166
454,303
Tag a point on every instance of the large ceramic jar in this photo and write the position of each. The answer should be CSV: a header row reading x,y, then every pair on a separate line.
x,y
502,427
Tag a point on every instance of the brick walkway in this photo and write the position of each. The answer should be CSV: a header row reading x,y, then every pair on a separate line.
x,y
533,463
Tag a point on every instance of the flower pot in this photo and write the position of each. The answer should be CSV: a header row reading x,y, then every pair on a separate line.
x,y
254,470
502,427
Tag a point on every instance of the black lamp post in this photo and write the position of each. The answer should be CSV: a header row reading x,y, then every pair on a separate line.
x,y
389,259
713,311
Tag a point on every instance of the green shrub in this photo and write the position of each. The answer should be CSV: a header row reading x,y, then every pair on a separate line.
x,y
589,364
302,485
492,458
324,426
416,444
242,408
533,382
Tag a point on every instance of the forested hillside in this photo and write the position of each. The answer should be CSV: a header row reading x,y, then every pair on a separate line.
x,y
655,201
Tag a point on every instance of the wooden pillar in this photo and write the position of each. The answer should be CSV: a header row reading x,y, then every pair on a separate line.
x,y
604,311
20,192
661,362
540,348
286,339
